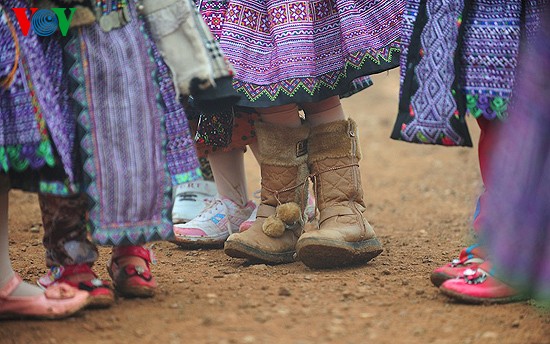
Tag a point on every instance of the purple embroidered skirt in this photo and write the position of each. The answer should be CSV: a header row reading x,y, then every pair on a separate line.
x,y
98,109
292,51
30,98
459,57
517,231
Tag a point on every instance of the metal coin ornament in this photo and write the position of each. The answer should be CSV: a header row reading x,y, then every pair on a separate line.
x,y
112,14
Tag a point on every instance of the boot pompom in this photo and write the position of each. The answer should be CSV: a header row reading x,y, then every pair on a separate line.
x,y
289,213
273,227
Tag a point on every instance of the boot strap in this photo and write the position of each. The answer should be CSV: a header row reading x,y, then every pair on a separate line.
x,y
276,193
313,176
335,210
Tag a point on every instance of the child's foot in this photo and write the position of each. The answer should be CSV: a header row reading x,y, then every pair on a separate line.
x,y
130,270
214,224
309,212
469,258
191,199
21,300
479,286
81,276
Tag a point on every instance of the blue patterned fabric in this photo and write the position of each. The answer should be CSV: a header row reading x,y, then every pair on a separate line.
x,y
459,57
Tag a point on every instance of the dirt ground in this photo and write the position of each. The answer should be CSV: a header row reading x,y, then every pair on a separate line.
x,y
420,202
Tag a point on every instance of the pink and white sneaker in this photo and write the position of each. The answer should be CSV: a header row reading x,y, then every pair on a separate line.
x,y
214,224
191,198
309,212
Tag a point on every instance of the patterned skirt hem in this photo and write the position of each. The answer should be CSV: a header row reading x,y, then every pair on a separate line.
x,y
305,90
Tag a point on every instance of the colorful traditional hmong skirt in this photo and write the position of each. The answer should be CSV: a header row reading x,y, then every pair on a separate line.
x,y
134,135
130,138
34,115
517,231
459,57
292,51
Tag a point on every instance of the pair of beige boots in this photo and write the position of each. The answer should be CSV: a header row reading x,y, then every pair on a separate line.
x,y
329,155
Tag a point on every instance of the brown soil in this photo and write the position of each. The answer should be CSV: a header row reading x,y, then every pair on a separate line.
x,y
420,201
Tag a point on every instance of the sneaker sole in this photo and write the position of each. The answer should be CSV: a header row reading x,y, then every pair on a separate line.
x,y
480,300
194,242
438,278
236,249
322,253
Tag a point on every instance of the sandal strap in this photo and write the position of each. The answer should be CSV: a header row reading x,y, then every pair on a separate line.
x,y
132,270
59,274
68,270
136,251
11,285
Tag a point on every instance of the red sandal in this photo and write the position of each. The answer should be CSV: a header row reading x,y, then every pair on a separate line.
x,y
132,280
101,293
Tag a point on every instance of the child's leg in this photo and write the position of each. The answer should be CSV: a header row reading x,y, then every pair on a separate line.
x,y
191,198
230,176
471,257
227,211
20,299
284,116
344,236
68,251
282,156
487,142
6,271
213,224
323,112
65,235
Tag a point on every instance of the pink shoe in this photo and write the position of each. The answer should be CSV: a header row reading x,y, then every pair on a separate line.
x,y
478,286
469,258
132,280
58,301
214,224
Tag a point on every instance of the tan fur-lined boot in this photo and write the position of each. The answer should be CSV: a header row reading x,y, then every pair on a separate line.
x,y
344,236
283,161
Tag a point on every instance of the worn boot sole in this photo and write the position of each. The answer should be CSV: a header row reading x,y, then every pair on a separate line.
x,y
237,249
322,253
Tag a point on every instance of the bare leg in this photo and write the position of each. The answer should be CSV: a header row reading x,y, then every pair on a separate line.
x,y
323,112
230,175
6,271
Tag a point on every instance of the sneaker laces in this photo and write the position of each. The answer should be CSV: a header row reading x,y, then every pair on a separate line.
x,y
210,206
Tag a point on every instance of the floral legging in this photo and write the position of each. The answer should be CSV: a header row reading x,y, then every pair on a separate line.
x,y
65,235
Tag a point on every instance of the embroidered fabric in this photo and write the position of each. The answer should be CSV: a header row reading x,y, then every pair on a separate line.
x,y
473,70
